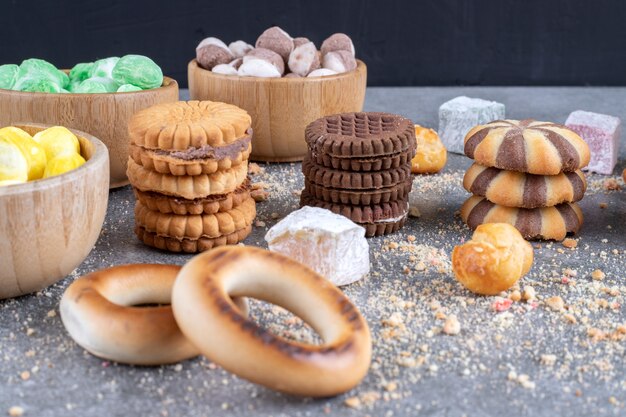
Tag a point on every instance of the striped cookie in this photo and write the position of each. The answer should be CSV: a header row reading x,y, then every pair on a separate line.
x,y
196,226
188,187
190,245
207,205
549,223
541,148
516,189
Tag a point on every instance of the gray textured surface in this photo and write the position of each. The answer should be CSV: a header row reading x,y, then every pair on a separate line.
x,y
434,374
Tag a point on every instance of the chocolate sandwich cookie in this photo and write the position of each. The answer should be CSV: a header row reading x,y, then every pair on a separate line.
x,y
206,205
364,136
541,148
190,245
550,223
349,180
377,219
516,189
359,198
364,164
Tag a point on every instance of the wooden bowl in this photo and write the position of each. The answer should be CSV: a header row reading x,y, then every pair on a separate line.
x,y
49,226
281,108
102,115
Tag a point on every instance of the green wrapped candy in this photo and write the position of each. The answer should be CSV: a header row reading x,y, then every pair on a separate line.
x,y
127,88
90,86
33,71
80,72
8,76
43,86
103,68
139,71
108,83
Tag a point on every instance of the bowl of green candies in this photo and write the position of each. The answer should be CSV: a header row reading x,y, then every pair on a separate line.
x,y
97,97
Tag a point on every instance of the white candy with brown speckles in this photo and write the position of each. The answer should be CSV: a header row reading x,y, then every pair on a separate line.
x,y
276,40
211,52
304,59
337,42
339,61
239,48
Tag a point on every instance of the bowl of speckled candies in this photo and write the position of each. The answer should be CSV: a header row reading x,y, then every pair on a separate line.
x,y
98,98
284,83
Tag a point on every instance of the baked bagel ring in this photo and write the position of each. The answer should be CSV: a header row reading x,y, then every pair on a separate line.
x,y
97,312
201,301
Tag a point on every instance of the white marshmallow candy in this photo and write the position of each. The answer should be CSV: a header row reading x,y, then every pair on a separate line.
x,y
321,72
239,48
225,69
339,61
258,68
304,59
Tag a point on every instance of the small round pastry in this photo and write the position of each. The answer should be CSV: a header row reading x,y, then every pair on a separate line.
x,y
239,48
431,154
494,260
99,312
266,55
211,52
339,61
516,189
549,223
337,42
276,40
541,148
304,59
203,307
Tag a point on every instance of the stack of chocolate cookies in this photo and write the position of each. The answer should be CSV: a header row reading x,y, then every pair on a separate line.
x,y
528,174
359,165
188,166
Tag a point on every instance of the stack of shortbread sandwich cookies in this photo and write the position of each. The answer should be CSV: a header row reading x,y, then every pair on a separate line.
x,y
188,166
528,174
359,165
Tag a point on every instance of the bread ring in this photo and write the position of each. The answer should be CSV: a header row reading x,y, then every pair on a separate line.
x,y
201,301
97,312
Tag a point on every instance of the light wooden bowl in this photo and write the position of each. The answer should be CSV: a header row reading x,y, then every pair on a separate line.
x,y
103,115
49,226
281,108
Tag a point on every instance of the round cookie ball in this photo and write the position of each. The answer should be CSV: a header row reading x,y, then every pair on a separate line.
x,y
277,40
339,61
266,55
337,42
239,48
211,52
304,59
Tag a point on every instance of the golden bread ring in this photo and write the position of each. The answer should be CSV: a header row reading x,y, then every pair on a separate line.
x,y
97,311
201,301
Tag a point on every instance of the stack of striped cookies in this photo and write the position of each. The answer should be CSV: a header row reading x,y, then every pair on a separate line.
x,y
359,165
528,174
188,166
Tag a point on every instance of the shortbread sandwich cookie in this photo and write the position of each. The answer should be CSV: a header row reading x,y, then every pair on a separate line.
x,y
361,197
377,219
541,148
205,205
196,226
516,189
352,180
190,245
188,187
193,161
549,223
361,138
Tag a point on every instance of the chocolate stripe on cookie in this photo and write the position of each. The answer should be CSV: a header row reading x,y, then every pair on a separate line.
x,y
478,213
535,191
570,218
528,222
483,180
570,159
578,184
512,152
475,139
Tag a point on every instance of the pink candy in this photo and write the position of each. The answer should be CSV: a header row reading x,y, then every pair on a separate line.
x,y
602,133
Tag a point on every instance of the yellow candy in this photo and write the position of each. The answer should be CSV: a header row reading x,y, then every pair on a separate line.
x,y
11,182
57,140
13,165
63,163
34,153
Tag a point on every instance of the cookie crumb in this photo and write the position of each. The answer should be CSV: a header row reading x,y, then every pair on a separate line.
x,y
452,325
570,243
598,275
555,303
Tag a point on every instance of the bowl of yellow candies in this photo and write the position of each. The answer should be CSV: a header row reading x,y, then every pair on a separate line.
x,y
54,189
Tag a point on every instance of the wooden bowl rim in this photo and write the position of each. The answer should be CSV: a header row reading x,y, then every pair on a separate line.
x,y
360,66
100,156
168,83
